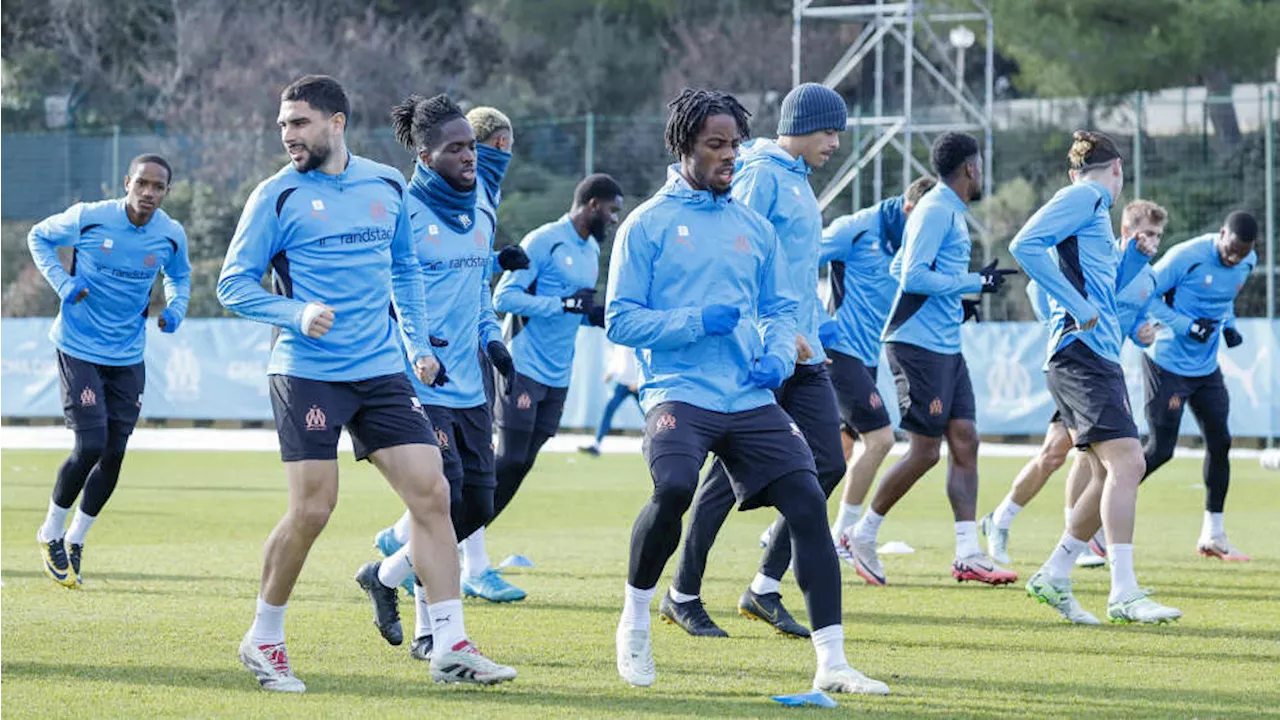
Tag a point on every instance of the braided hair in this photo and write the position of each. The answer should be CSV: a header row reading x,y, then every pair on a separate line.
x,y
690,110
1091,149
417,120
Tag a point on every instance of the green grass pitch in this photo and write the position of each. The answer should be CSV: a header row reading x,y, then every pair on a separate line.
x,y
172,568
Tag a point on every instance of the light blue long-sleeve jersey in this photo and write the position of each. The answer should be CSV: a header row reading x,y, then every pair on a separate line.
x,y
343,240
861,249
118,261
1133,303
932,270
680,251
455,276
1202,287
1069,250
561,262
771,182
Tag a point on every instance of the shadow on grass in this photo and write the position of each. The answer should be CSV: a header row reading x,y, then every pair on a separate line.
x,y
132,577
280,489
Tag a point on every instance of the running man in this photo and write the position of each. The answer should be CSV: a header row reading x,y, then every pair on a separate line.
x,y
623,373
1068,248
555,295
118,247
698,284
922,339
334,229
1199,280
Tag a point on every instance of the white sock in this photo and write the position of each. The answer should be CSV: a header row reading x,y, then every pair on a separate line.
x,y
396,568
401,528
268,624
475,558
847,516
422,612
635,609
679,597
967,539
763,585
1123,580
828,642
1005,512
868,527
1063,557
1212,527
80,525
446,624
55,523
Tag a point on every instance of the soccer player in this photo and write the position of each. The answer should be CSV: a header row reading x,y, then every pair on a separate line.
x,y
555,296
118,246
772,178
922,339
453,235
1142,220
335,230
860,248
624,374
1068,248
1198,280
698,284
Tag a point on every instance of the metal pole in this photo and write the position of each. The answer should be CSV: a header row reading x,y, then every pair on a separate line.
x,y
115,155
797,9
1270,145
877,176
857,148
959,69
988,141
908,71
1137,151
589,149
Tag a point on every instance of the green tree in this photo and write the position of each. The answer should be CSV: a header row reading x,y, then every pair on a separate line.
x,y
1103,48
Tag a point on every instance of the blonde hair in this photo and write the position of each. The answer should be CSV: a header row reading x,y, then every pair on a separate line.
x,y
1091,149
487,121
1140,210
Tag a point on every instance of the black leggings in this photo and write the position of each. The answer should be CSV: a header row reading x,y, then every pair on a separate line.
x,y
93,466
517,450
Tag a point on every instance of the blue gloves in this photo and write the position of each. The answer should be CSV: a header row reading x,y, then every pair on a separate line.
x,y
169,321
829,333
73,293
720,319
768,373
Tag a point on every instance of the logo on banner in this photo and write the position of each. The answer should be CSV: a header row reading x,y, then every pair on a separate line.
x,y
316,420
88,398
1247,377
182,374
1008,382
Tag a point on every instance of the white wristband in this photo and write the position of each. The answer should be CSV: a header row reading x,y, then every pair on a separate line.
x,y
309,315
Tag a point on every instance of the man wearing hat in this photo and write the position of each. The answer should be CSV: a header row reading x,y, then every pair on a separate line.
x,y
772,178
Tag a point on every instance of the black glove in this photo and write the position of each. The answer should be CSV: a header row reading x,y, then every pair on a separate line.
x,y
972,310
441,377
437,342
1231,337
501,358
579,303
993,277
1201,329
596,316
513,257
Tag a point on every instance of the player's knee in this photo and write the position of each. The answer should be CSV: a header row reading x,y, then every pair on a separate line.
x,y
879,442
1054,456
312,516
90,443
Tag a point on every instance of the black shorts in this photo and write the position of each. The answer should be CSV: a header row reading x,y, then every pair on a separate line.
x,y
1057,417
933,389
530,406
465,438
861,407
757,446
94,395
378,413
1091,395
1168,393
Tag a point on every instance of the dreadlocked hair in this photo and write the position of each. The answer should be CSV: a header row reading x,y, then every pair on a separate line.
x,y
417,120
691,109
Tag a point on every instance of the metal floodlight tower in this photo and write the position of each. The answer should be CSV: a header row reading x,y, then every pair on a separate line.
x,y
909,25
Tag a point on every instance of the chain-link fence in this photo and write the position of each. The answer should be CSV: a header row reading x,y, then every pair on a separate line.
x,y
1184,155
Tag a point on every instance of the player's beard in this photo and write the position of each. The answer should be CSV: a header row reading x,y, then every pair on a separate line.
x,y
316,156
598,227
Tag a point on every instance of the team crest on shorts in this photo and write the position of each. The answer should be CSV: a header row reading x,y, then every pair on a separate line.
x,y
935,407
316,419
88,398
442,439
524,402
875,401
665,422
1175,402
